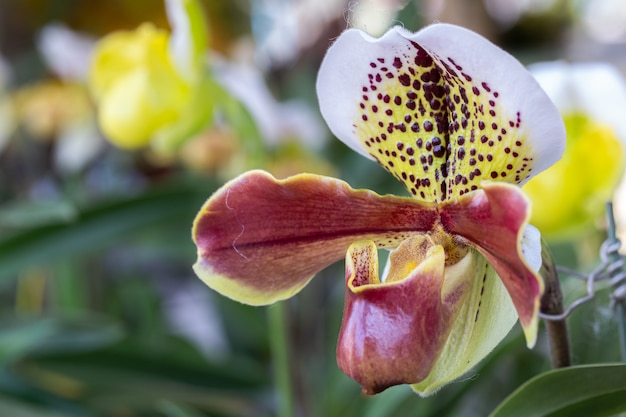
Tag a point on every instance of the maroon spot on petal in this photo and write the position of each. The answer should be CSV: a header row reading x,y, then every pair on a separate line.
x,y
405,80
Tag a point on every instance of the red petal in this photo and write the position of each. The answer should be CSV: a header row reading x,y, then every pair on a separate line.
x,y
261,240
492,220
393,333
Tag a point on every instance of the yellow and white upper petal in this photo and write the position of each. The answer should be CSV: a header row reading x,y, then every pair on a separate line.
x,y
441,109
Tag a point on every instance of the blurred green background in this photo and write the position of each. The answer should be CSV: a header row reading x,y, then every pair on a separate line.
x,y
100,312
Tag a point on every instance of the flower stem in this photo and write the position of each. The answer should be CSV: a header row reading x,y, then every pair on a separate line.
x,y
279,345
614,257
552,304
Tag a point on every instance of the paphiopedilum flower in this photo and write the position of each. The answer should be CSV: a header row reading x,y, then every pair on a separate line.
x,y
591,98
461,124
150,84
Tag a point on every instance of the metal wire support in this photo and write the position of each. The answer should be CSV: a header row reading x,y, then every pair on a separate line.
x,y
617,275
609,253
612,267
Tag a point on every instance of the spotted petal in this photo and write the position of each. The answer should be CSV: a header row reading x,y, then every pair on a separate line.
x,y
441,109
261,240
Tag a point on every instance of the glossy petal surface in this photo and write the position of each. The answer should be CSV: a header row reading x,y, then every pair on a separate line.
x,y
261,240
392,333
438,110
494,221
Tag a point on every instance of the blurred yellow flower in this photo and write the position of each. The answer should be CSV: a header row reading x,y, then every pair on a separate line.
x,y
150,84
569,197
46,108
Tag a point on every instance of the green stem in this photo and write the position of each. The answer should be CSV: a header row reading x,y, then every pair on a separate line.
x,y
621,322
614,256
279,344
552,304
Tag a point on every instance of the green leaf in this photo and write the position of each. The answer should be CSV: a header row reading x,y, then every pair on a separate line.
x,y
27,214
588,390
139,375
15,408
172,409
97,225
21,337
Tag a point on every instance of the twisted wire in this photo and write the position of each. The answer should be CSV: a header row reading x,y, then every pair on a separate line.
x,y
612,267
591,278
615,271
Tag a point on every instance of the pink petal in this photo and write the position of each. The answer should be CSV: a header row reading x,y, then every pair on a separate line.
x,y
261,240
493,220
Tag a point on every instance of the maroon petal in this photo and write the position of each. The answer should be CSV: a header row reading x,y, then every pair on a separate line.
x,y
261,240
493,220
392,333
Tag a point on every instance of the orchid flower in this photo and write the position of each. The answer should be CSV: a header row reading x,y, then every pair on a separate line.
x,y
586,177
461,124
150,84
